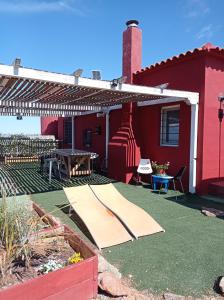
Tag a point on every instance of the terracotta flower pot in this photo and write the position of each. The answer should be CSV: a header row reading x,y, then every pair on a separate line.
x,y
161,172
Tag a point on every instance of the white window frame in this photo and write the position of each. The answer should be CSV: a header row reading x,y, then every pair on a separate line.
x,y
167,108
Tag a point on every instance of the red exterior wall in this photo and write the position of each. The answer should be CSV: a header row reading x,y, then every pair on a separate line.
x,y
61,128
189,75
49,126
149,125
98,141
213,143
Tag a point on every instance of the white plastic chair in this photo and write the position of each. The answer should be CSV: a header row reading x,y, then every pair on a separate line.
x,y
144,167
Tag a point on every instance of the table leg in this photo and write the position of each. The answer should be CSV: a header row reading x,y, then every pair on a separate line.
x,y
89,167
154,186
50,170
69,167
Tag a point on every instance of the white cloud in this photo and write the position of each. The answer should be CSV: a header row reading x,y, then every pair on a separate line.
x,y
205,32
196,8
36,6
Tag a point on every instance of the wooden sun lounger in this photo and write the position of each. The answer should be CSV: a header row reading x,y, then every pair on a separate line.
x,y
138,221
104,227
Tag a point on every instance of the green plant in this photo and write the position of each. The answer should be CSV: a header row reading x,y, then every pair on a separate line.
x,y
17,223
20,230
157,166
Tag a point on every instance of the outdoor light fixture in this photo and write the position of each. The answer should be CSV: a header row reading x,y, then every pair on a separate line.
x,y
220,111
162,86
100,114
117,81
77,73
17,62
98,130
19,117
96,75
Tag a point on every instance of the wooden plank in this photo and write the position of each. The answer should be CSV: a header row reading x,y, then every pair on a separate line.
x,y
103,225
138,221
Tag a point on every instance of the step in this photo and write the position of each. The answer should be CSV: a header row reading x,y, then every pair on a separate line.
x,y
216,189
212,198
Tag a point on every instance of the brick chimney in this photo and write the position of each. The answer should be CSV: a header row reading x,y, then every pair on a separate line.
x,y
132,49
123,146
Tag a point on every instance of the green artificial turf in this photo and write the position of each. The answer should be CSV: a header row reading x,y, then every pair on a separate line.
x,y
186,259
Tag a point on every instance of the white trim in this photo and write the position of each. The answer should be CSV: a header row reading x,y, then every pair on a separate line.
x,y
105,110
160,101
193,148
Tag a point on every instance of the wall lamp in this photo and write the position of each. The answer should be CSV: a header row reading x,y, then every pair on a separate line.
x,y
117,81
221,111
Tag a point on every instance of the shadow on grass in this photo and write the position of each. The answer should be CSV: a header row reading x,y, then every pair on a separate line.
x,y
28,179
78,221
195,202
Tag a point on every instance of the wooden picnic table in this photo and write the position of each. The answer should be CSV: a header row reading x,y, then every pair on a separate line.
x,y
74,162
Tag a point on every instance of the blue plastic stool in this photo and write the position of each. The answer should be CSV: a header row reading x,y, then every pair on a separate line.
x,y
163,180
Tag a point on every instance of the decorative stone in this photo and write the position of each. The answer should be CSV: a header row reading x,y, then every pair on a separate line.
x,y
105,266
212,212
221,285
112,285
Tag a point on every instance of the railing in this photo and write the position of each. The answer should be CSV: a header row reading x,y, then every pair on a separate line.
x,y
11,147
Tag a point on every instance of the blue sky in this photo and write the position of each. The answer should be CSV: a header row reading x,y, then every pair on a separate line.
x,y
63,35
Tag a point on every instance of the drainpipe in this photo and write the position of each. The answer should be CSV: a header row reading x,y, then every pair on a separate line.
x,y
193,146
73,138
107,136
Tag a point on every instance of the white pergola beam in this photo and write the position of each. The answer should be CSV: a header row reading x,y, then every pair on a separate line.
x,y
97,84
13,111
35,105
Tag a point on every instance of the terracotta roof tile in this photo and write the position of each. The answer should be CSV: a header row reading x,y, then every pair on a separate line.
x,y
208,47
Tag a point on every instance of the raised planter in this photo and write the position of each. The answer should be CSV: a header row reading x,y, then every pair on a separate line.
x,y
20,159
76,281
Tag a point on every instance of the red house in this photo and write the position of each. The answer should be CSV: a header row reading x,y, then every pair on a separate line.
x,y
185,134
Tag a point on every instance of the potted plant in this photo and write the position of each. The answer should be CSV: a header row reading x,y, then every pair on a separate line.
x,y
159,168
41,259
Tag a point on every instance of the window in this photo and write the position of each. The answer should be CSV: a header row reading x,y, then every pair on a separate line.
x,y
169,131
68,131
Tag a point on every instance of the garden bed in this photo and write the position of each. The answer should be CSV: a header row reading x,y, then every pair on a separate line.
x,y
60,265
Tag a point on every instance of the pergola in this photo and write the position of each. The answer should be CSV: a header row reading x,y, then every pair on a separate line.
x,y
31,92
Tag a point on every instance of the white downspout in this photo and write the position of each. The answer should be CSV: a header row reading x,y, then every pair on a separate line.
x,y
73,137
107,137
193,147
